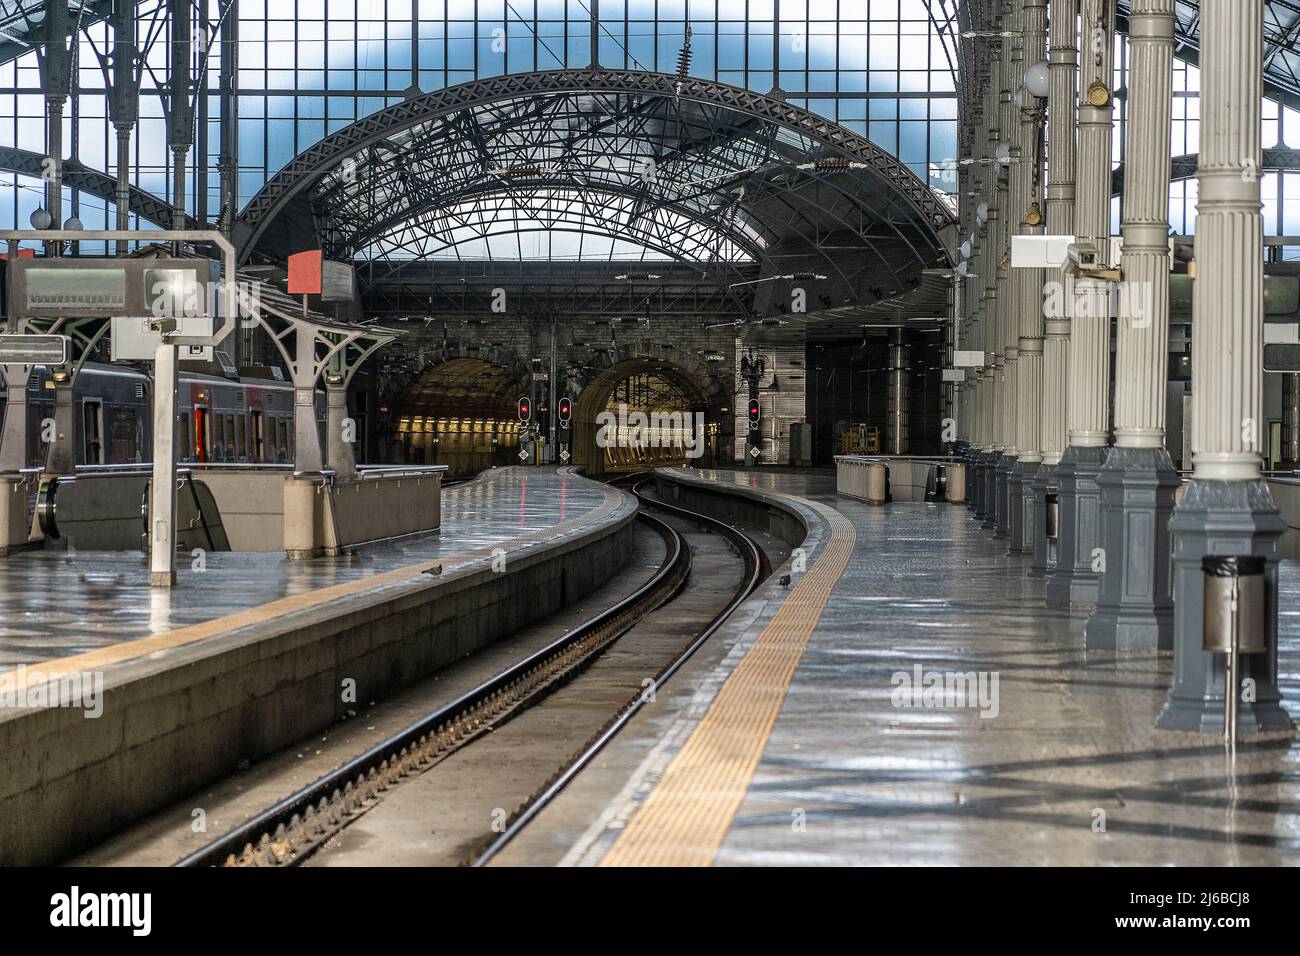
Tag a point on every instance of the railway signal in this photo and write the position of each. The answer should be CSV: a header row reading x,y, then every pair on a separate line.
x,y
566,412
525,411
755,414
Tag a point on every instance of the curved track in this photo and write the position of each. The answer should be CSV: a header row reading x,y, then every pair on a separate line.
x,y
294,828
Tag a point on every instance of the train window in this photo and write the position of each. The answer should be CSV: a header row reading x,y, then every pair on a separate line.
x,y
125,436
259,437
241,438
183,440
231,454
92,432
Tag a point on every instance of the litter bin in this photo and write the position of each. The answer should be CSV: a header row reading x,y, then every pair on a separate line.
x,y
1234,605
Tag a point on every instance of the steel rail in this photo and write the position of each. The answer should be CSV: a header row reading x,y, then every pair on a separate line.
x,y
253,840
755,571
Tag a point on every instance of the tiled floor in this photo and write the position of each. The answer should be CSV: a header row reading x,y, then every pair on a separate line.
x,y
1071,770
54,604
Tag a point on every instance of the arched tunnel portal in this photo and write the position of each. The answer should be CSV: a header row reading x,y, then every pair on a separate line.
x,y
642,412
459,413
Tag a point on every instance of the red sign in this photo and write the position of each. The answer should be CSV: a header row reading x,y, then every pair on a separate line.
x,y
305,272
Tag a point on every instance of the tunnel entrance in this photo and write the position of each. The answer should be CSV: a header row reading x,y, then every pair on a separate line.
x,y
641,414
460,413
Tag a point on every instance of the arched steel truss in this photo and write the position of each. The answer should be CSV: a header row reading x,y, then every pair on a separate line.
x,y
77,175
1185,167
724,169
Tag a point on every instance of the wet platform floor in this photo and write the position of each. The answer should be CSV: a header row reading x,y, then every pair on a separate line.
x,y
56,604
1068,768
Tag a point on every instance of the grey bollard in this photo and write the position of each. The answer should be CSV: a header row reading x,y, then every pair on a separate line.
x,y
876,483
956,483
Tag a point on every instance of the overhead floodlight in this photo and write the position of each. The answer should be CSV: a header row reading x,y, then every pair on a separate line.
x,y
966,249
982,213
40,219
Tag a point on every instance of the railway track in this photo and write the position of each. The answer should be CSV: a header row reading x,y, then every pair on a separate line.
x,y
295,828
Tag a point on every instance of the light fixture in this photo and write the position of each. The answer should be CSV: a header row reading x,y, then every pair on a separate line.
x,y
40,219
1003,154
966,249
982,213
73,224
1038,79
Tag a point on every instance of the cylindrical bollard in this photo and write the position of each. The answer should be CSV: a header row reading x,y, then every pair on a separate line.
x,y
1234,620
1053,516
956,486
876,483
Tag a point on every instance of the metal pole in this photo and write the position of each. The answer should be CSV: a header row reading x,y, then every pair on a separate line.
x,y
162,493
123,108
552,413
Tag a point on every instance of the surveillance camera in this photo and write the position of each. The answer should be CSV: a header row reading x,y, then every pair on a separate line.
x,y
1085,257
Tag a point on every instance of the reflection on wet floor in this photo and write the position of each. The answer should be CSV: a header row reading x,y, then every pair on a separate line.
x,y
1068,768
56,603
1072,769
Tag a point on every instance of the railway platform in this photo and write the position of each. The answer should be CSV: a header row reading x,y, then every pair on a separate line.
x,y
253,651
811,730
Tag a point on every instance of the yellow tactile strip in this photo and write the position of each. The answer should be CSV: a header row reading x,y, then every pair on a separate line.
x,y
686,816
102,657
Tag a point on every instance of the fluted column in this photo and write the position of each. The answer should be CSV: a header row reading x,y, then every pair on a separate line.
x,y
1028,297
989,267
1080,559
1062,105
1227,509
1004,339
1135,608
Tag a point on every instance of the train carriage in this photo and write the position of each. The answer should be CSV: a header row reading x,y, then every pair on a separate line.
x,y
219,420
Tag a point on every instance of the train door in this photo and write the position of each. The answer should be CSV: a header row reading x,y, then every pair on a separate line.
x,y
201,429
259,435
92,431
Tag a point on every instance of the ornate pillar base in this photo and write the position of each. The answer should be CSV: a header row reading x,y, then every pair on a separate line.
x,y
972,458
1002,505
1024,520
1135,607
1044,549
1227,518
990,498
976,490
1078,528
972,478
